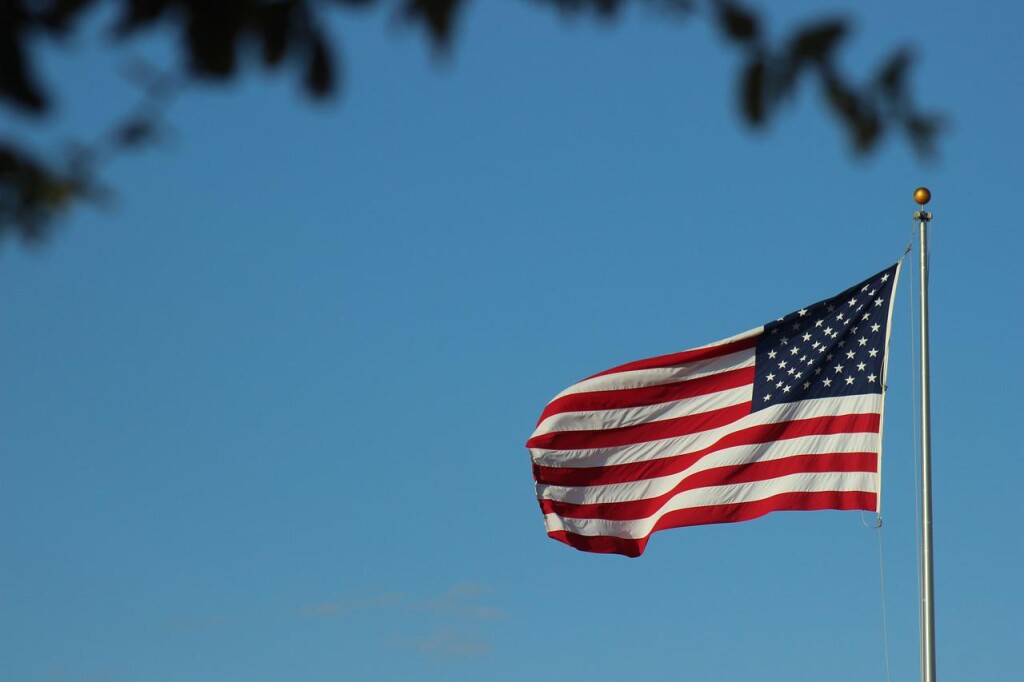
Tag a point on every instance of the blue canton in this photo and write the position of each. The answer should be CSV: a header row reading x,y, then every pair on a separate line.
x,y
833,348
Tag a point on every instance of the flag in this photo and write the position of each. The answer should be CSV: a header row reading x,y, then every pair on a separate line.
x,y
785,417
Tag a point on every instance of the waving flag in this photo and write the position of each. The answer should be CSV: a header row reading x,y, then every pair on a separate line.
x,y
784,417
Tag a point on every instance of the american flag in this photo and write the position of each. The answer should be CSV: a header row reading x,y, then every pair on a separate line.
x,y
787,416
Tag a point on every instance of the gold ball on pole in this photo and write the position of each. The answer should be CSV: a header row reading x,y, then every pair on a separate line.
x,y
922,196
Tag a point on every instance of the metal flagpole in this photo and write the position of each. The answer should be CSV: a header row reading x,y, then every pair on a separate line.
x,y
922,196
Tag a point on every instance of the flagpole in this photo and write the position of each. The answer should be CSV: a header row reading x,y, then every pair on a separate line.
x,y
922,196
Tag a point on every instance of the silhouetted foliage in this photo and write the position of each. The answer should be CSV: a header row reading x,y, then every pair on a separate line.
x,y
291,33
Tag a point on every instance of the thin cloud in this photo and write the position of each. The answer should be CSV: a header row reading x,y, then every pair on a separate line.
x,y
446,645
458,601
334,608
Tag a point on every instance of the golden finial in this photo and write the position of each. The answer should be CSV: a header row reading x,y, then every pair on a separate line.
x,y
922,196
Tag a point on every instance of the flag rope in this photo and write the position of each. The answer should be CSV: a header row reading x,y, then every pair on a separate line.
x,y
885,618
878,522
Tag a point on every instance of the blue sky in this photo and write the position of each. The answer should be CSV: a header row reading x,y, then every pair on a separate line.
x,y
264,415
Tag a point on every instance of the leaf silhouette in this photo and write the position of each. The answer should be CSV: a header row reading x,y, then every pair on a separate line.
x,y
737,22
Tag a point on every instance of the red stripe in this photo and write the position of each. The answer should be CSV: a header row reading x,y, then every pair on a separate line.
x,y
648,395
682,357
726,513
763,433
726,475
640,433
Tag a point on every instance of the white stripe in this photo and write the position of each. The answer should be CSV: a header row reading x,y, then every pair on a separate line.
x,y
744,454
868,403
639,378
594,420
718,495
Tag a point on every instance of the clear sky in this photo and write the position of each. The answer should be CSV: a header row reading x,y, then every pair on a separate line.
x,y
263,416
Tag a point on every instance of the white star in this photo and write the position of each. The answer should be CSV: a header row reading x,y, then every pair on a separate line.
x,y
767,397
838,369
828,330
802,312
821,348
778,385
782,363
871,378
871,293
850,354
785,340
807,385
794,350
798,375
885,277
785,389
772,354
849,381
865,287
806,337
861,366
770,377
810,361
875,327
852,302
815,344
826,381
862,341
817,371
873,352
839,317
879,301
791,371
819,323
865,316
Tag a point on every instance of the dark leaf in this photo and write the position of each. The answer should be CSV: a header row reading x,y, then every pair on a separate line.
x,y
923,131
604,8
17,83
135,132
867,131
276,21
319,71
212,37
753,91
817,42
32,195
436,16
138,13
61,14
737,23
862,121
844,102
892,76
